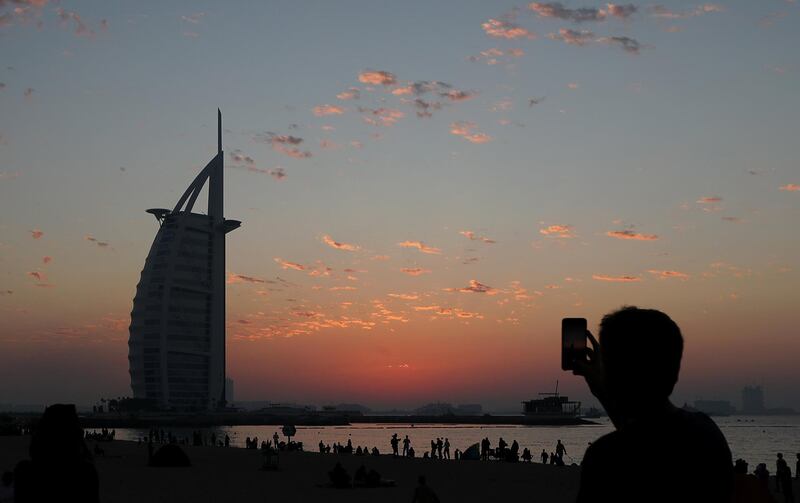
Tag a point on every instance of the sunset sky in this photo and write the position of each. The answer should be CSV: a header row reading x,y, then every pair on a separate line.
x,y
426,189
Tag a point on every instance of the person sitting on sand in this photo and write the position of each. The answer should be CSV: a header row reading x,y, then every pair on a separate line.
x,y
632,370
423,493
340,479
526,455
410,452
375,451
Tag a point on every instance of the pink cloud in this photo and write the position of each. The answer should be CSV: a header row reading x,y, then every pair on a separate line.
x,y
660,11
456,95
618,279
790,187
339,246
415,271
377,77
629,234
285,264
36,233
419,245
669,274
557,231
573,37
505,29
323,110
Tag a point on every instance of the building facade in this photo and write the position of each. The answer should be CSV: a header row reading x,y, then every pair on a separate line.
x,y
177,332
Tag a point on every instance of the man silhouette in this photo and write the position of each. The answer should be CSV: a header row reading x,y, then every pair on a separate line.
x,y
632,371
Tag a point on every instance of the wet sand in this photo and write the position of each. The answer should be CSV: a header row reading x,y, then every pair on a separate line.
x,y
233,475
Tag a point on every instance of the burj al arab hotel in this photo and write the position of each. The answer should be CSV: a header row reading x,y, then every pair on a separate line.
x,y
177,332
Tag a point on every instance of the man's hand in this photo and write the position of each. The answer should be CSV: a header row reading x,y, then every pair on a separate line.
x,y
592,370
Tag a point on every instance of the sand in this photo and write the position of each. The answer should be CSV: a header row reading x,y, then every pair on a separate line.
x,y
233,475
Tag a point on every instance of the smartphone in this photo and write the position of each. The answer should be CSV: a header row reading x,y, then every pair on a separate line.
x,y
573,342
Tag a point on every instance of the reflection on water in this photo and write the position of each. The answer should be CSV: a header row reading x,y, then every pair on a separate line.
x,y
756,439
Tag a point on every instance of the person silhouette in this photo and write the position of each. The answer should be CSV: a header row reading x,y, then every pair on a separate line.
x,y
544,457
406,444
560,450
439,447
61,466
395,443
632,370
446,448
780,466
423,493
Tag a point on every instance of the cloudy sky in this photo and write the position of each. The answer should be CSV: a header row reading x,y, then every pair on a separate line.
x,y
426,188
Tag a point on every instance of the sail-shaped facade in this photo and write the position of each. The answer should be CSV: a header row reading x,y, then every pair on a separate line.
x,y
177,332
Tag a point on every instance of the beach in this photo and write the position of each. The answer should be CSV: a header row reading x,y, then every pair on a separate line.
x,y
233,474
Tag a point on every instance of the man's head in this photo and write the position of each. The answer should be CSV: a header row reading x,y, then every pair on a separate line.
x,y
642,351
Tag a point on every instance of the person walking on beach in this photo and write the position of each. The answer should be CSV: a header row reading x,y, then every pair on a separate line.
x,y
632,370
544,457
560,450
406,444
446,448
423,493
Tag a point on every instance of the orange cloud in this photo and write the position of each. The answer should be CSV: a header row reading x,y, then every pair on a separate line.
x,y
101,244
415,271
339,246
709,200
351,94
558,231
419,245
504,29
475,287
36,233
377,77
494,56
473,237
629,234
790,187
464,129
290,265
323,110
618,279
381,116
403,296
234,278
669,274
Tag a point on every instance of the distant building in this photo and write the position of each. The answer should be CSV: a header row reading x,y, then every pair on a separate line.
x,y
435,409
177,333
715,407
469,409
229,390
753,400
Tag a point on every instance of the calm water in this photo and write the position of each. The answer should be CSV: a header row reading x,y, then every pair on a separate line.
x,y
756,439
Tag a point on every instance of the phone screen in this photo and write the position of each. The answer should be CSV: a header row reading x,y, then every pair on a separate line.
x,y
573,341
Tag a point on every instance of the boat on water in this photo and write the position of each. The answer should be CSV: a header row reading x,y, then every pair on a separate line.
x,y
552,409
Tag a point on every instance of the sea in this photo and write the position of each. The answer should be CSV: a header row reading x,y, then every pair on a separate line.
x,y
756,439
